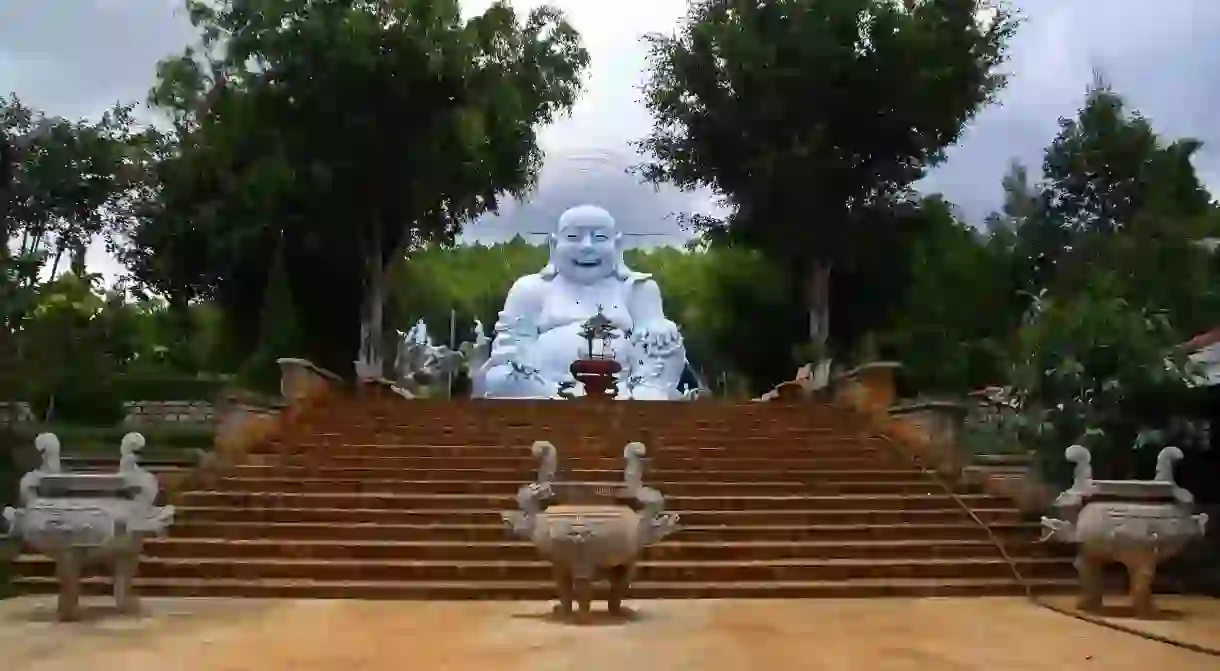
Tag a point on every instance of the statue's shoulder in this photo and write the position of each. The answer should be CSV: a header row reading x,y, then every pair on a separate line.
x,y
529,284
633,277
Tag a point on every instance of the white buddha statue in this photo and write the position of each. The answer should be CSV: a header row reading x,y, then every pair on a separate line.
x,y
537,335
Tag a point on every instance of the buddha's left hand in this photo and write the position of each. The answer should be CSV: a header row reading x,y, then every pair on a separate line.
x,y
661,338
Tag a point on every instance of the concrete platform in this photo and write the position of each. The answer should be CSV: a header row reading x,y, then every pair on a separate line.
x,y
1000,634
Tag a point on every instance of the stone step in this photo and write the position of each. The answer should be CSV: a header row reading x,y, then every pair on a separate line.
x,y
473,532
549,411
505,502
809,517
510,487
663,571
471,443
509,550
541,590
893,474
612,425
524,462
767,430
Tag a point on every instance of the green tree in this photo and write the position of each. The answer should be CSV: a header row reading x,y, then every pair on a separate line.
x,y
810,116
74,342
67,182
1118,196
345,133
471,280
1096,369
960,307
1108,165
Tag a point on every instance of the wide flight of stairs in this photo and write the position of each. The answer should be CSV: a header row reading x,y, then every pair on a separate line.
x,y
397,499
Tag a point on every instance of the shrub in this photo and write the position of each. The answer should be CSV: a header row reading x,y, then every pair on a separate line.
x,y
151,387
96,404
1094,369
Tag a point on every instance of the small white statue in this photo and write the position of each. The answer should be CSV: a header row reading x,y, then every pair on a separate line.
x,y
419,334
477,354
418,363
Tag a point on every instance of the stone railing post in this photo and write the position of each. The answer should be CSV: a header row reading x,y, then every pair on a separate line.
x,y
932,429
302,384
868,388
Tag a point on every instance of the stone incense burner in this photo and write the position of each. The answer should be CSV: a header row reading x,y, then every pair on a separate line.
x,y
1137,523
83,518
587,529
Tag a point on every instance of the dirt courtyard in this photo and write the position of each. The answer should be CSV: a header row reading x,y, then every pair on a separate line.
x,y
806,635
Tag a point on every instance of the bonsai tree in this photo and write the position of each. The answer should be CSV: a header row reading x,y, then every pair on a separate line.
x,y
598,327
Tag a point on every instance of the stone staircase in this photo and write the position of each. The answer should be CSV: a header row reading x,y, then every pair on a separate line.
x,y
396,499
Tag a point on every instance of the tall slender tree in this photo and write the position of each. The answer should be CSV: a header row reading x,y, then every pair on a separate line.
x,y
809,116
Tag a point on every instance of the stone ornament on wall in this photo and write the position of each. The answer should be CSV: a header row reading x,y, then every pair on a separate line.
x,y
79,519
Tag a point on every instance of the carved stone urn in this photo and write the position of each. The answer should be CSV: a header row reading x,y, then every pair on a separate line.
x,y
587,529
1137,523
83,518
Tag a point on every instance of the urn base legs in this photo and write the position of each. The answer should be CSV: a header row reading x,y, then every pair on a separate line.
x,y
620,580
1141,570
68,569
1091,587
563,585
574,590
69,566
124,585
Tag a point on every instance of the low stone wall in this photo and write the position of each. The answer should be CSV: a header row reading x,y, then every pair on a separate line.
x,y
139,413
143,413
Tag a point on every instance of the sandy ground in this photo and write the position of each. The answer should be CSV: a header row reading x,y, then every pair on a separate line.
x,y
809,635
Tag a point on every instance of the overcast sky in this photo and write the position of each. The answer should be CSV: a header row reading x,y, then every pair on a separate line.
x,y
76,57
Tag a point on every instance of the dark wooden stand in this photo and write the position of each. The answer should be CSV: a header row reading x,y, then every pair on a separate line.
x,y
597,375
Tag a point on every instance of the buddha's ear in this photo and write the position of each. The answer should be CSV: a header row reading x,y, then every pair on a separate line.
x,y
618,241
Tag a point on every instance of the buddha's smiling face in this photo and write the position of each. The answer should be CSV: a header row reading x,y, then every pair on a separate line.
x,y
584,248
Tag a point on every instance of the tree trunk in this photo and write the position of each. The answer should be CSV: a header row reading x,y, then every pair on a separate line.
x,y
59,253
78,259
370,364
819,305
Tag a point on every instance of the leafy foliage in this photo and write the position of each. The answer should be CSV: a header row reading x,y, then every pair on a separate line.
x,y
341,133
960,308
1097,370
811,119
67,182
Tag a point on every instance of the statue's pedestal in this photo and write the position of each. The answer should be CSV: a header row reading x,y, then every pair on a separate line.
x,y
597,375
